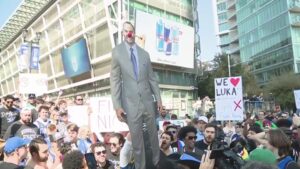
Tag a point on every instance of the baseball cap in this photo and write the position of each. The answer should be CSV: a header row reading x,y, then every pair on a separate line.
x,y
31,96
203,118
14,143
262,155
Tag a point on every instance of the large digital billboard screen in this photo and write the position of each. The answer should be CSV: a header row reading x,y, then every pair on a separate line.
x,y
76,59
167,42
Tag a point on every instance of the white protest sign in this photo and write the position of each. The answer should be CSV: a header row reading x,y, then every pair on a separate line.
x,y
180,123
103,117
78,115
33,83
297,98
229,98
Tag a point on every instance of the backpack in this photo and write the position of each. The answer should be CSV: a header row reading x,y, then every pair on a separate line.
x,y
283,164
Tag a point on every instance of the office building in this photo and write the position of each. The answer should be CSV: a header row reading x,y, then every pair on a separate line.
x,y
60,27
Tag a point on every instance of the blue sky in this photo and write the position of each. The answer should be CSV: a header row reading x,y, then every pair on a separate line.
x,y
7,7
207,30
206,24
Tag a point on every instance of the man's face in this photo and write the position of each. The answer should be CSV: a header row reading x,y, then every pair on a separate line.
x,y
201,125
9,103
22,152
165,141
163,112
100,154
190,140
43,153
79,100
44,115
73,135
26,116
128,33
115,147
31,101
209,134
64,118
261,115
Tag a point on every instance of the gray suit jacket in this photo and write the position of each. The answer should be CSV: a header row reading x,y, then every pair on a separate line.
x,y
126,91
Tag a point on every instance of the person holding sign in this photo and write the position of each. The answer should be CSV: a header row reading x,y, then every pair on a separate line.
x,y
132,85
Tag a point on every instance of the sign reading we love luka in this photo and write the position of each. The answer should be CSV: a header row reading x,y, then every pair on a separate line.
x,y
229,98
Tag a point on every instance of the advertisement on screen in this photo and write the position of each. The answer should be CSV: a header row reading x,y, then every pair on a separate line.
x,y
167,42
76,59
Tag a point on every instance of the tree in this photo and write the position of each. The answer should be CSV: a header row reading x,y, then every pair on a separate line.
x,y
282,88
220,64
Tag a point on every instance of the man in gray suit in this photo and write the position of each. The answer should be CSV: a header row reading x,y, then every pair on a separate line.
x,y
132,85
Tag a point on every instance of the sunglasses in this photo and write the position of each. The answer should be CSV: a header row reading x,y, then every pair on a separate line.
x,y
79,99
101,152
192,137
9,101
112,144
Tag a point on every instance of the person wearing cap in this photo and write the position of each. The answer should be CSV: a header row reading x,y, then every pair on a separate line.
x,y
23,128
8,114
15,150
202,121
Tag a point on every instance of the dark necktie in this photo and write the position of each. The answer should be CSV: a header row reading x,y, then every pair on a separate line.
x,y
133,60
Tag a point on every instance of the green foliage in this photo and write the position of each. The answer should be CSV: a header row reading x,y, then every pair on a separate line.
x,y
283,88
206,84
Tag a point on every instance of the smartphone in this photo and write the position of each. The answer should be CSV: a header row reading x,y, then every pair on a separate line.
x,y
91,161
124,116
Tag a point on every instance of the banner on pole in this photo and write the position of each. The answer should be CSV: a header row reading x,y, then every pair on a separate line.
x,y
24,54
35,56
229,98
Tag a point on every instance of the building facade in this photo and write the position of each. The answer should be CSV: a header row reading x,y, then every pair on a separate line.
x,y
64,22
227,28
267,33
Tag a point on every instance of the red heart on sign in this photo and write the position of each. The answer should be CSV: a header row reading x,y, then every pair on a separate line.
x,y
235,81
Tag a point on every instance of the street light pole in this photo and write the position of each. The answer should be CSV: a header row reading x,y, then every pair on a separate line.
x,y
229,67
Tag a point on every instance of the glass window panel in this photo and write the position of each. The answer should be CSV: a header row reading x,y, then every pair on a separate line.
x,y
57,62
54,35
45,66
71,22
62,81
99,41
93,10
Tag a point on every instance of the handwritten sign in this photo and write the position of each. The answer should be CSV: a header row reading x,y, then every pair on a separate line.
x,y
103,116
78,115
229,98
33,83
297,98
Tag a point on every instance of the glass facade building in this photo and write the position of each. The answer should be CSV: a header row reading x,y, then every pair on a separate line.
x,y
268,33
227,28
99,22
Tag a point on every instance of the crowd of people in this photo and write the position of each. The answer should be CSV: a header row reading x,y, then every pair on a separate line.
x,y
36,133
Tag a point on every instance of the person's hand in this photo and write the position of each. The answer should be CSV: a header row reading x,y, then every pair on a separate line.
x,y
159,106
120,114
206,162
